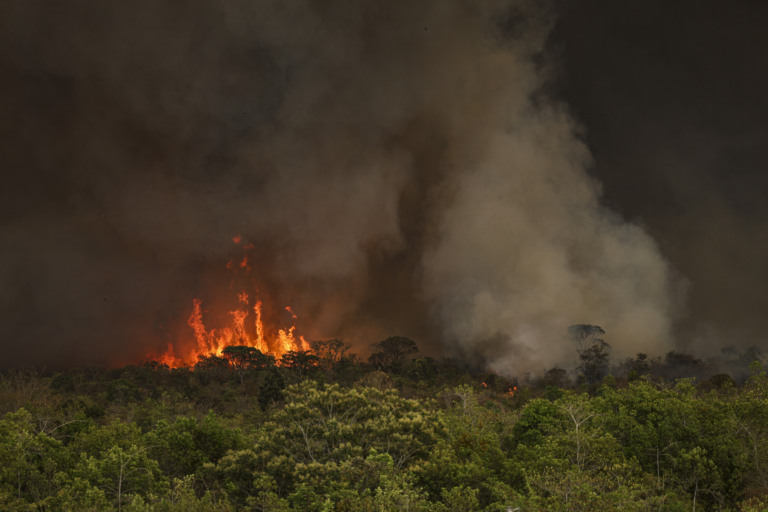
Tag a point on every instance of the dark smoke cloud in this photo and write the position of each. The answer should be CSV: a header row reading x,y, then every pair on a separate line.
x,y
397,167
674,95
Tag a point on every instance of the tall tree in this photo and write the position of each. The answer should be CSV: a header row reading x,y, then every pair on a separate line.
x,y
594,353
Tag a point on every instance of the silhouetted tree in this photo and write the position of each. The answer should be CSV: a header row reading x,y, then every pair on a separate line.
x,y
637,366
391,353
679,365
330,352
593,362
594,353
585,335
243,358
300,361
718,381
423,368
212,368
211,363
752,354
674,358
554,377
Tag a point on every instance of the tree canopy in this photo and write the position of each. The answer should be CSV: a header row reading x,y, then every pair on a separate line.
x,y
244,432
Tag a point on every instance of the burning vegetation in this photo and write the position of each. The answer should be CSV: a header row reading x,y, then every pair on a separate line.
x,y
244,326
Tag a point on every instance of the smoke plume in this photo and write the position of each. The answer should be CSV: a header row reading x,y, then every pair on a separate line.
x,y
395,165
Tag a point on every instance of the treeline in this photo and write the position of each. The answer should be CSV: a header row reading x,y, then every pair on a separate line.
x,y
324,431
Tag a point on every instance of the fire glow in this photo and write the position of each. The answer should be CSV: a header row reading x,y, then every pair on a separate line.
x,y
245,327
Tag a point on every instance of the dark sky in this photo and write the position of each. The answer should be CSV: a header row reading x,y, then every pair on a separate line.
x,y
474,177
673,97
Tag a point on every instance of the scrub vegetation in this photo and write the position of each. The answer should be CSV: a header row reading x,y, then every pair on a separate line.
x,y
323,430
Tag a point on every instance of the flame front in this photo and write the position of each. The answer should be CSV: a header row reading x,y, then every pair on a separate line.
x,y
246,327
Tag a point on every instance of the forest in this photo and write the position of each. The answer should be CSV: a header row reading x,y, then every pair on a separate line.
x,y
324,430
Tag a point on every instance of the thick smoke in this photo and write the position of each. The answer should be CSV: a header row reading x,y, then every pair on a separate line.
x,y
394,165
676,109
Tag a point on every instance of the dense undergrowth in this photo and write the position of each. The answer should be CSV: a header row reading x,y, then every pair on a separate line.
x,y
328,432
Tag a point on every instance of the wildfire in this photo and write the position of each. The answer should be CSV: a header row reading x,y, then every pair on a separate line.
x,y
245,327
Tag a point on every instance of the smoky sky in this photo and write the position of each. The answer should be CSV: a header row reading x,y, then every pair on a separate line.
x,y
673,95
477,176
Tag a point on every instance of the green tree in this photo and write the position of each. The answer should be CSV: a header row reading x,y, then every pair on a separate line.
x,y
121,473
690,444
460,499
399,493
318,446
123,391
181,497
699,475
469,466
28,461
77,495
115,459
185,445
271,388
573,463
329,423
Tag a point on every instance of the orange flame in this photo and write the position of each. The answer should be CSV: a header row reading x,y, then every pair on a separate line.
x,y
212,341
286,339
260,344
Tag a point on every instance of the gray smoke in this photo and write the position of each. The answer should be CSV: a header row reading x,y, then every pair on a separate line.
x,y
393,164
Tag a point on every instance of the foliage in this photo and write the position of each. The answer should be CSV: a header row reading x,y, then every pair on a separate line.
x,y
320,431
